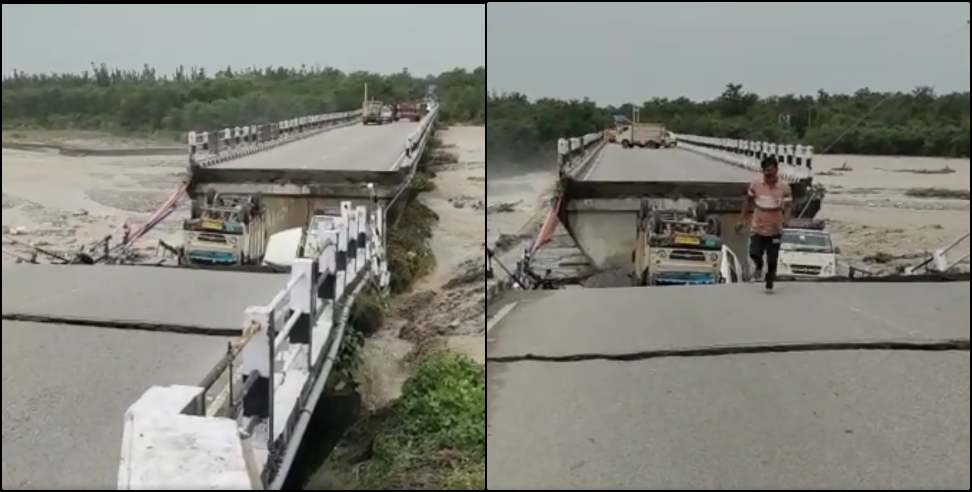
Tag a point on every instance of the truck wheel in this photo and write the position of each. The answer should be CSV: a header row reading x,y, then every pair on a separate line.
x,y
211,197
626,144
652,145
196,210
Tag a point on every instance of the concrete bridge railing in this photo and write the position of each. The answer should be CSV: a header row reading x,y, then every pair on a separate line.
x,y
415,142
572,151
796,161
269,381
207,148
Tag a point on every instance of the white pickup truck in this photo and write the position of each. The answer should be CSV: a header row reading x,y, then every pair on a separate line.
x,y
807,253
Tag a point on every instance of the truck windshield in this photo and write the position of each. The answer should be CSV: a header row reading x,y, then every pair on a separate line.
x,y
806,241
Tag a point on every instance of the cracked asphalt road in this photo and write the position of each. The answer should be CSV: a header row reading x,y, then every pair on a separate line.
x,y
877,418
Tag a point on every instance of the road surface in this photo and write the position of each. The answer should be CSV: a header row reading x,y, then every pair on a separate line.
x,y
207,299
66,389
618,164
809,419
355,148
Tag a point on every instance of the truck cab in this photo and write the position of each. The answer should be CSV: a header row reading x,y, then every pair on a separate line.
x,y
371,112
224,231
411,111
807,253
636,133
675,249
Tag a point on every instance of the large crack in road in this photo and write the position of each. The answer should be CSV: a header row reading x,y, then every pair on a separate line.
x,y
761,348
121,324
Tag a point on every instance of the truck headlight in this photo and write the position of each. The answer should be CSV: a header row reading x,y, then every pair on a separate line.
x,y
828,269
713,257
782,268
661,253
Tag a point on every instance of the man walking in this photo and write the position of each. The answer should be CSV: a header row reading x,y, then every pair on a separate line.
x,y
768,200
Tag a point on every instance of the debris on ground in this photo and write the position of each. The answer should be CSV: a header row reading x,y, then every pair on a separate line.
x,y
938,193
466,200
505,207
470,271
506,241
943,170
843,168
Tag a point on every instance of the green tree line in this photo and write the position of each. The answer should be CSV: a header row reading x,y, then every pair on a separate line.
x,y
195,100
919,122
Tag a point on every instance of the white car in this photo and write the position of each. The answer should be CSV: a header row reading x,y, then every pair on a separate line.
x,y
807,253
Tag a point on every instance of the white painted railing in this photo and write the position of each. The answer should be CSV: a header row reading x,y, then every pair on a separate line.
x,y
795,161
207,148
415,142
287,337
571,147
573,152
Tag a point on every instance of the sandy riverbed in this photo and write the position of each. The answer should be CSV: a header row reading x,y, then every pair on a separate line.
x,y
62,203
869,212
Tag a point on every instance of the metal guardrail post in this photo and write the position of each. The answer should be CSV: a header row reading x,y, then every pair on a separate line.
x,y
231,404
271,339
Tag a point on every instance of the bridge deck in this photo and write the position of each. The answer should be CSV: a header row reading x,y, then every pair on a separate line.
x,y
661,165
66,388
821,419
355,147
197,300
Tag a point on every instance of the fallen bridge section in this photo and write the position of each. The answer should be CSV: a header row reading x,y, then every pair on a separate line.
x,y
362,164
608,186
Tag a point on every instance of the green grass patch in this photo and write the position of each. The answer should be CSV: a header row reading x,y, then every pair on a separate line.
x,y
434,437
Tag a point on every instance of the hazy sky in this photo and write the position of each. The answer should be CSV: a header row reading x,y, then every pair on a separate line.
x,y
424,38
618,53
